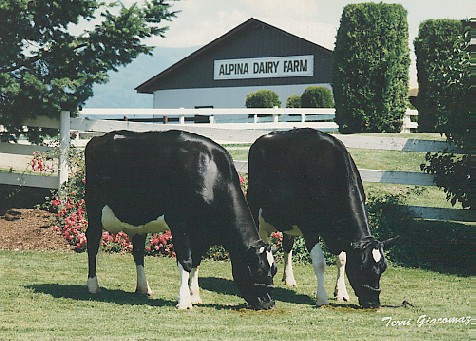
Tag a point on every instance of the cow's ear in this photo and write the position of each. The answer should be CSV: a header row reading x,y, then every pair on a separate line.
x,y
387,244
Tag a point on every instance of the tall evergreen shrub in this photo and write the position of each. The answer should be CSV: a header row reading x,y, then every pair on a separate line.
x,y
370,68
444,103
436,51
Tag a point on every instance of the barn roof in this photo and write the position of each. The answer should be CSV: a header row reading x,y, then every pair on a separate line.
x,y
149,86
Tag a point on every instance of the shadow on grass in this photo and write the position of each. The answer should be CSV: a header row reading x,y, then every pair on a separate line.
x,y
227,287
217,285
121,297
440,246
80,293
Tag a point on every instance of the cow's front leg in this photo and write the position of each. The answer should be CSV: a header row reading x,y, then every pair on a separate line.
x,y
138,243
288,275
319,265
185,298
194,288
340,291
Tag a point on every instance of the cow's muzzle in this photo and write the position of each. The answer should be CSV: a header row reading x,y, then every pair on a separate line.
x,y
263,303
261,300
369,297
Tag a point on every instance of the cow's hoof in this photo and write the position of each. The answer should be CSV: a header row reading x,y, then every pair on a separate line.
x,y
342,298
196,300
289,282
93,286
320,303
183,306
147,292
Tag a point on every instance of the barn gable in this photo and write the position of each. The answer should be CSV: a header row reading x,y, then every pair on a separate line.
x,y
252,55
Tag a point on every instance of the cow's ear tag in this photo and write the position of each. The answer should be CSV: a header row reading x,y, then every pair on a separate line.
x,y
261,249
377,255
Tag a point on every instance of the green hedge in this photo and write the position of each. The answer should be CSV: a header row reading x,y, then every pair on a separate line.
x,y
370,68
317,97
293,101
263,99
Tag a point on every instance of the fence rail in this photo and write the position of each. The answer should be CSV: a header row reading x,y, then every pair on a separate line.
x,y
306,117
221,133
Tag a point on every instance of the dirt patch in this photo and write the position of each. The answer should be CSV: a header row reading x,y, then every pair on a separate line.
x,y
29,229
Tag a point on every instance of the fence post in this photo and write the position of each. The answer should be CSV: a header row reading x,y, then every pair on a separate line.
x,y
64,147
275,116
182,118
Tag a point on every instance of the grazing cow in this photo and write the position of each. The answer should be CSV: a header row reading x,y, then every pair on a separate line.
x,y
304,183
149,182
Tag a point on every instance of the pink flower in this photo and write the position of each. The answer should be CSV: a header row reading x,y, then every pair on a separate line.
x,y
56,202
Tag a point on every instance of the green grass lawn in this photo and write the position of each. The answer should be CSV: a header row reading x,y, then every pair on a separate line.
x,y
366,158
43,296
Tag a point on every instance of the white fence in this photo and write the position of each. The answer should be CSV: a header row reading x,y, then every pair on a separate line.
x,y
267,118
246,132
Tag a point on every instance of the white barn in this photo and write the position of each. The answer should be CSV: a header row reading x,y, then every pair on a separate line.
x,y
252,56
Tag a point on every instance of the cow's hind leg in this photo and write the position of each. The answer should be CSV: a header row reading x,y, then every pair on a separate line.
x,y
184,298
183,251
319,265
93,236
194,288
138,242
340,292
288,275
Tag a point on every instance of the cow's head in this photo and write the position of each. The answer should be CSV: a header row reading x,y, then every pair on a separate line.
x,y
253,275
365,264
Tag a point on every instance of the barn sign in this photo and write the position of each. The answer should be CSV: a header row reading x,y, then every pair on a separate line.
x,y
264,67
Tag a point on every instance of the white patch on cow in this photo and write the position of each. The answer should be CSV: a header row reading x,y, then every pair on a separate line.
x,y
377,255
340,291
265,229
112,224
319,265
93,286
142,284
270,258
288,275
194,288
184,299
269,255
294,232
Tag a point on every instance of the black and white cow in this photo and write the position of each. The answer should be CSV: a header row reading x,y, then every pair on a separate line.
x,y
304,183
149,182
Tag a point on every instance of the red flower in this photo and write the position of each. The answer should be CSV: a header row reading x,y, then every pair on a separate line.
x,y
56,202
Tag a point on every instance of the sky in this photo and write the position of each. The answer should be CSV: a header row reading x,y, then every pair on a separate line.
x,y
201,21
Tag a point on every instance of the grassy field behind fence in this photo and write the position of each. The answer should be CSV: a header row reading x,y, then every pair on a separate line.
x,y
386,160
43,296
